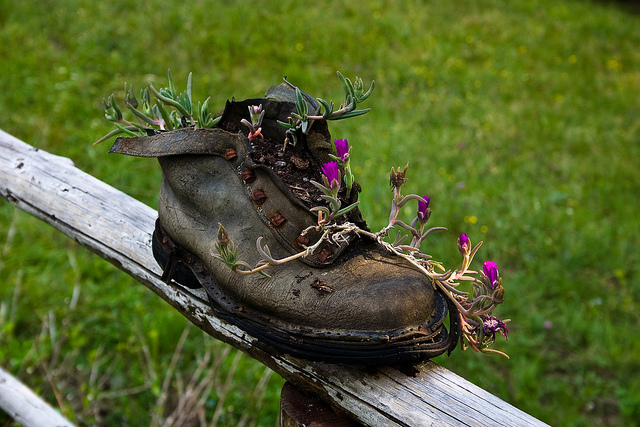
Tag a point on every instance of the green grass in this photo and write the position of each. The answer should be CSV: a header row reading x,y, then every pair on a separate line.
x,y
519,119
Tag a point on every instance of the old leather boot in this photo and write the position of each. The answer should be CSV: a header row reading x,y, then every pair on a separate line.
x,y
350,301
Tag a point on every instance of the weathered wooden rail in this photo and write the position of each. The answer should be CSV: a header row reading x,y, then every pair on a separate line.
x,y
118,228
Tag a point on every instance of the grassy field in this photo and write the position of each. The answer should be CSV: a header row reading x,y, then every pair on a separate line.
x,y
520,120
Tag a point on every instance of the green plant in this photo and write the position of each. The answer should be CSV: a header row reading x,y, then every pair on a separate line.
x,y
171,110
174,110
353,94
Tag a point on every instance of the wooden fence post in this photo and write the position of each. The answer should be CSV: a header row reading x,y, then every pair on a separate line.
x,y
118,228
24,406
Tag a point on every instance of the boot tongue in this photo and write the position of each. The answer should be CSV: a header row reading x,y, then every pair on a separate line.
x,y
286,92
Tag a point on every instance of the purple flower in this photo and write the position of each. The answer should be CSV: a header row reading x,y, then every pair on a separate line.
x,y
423,209
491,271
492,324
342,147
331,172
464,244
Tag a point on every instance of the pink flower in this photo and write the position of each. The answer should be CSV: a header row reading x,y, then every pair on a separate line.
x,y
491,271
332,173
492,325
464,244
342,147
423,209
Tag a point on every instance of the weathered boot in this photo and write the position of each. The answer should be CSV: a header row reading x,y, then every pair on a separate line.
x,y
349,301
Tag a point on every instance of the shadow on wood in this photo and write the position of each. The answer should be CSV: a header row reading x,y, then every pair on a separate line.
x,y
298,409
118,228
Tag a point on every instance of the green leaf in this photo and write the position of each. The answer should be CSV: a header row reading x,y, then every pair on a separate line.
x,y
328,108
114,106
109,135
322,209
364,96
204,116
172,87
349,92
185,101
164,114
333,201
189,86
130,97
141,115
169,101
285,125
128,130
185,98
343,81
351,114
146,101
291,133
320,187
347,209
301,104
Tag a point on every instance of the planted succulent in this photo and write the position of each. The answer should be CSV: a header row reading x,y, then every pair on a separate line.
x,y
312,223
302,119
257,115
171,110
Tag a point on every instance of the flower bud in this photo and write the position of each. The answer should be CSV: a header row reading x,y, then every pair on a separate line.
x,y
464,245
423,209
223,237
332,173
498,294
490,270
342,148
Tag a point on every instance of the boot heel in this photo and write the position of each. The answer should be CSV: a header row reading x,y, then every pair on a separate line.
x,y
171,260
